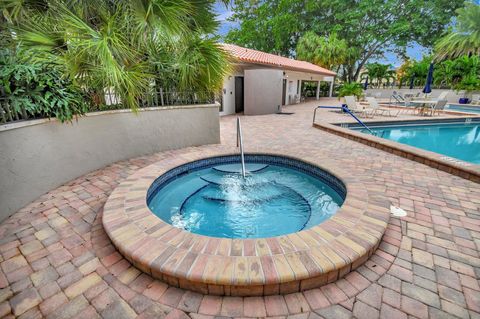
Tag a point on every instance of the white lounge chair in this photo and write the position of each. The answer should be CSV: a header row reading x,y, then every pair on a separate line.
x,y
436,108
442,96
354,107
440,106
475,99
381,110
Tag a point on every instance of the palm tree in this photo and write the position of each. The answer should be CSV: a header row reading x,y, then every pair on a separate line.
x,y
327,52
379,72
129,46
465,40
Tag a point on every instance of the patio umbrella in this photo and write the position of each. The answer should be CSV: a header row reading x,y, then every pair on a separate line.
x,y
412,81
427,89
365,85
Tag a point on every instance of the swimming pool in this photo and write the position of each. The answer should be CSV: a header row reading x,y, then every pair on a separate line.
x,y
463,108
460,140
276,197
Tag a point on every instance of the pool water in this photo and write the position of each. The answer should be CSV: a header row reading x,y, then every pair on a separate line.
x,y
464,108
270,201
457,140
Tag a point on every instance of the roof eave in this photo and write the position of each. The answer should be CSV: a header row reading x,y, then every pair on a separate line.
x,y
288,68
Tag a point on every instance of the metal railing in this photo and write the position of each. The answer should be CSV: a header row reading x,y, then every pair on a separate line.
x,y
8,113
240,143
159,98
344,109
172,98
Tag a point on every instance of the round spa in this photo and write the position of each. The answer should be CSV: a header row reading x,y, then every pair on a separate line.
x,y
196,223
277,196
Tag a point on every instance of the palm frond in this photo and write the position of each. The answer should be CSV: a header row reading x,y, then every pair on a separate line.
x,y
465,40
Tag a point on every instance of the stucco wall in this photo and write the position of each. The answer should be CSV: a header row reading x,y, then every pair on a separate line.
x,y
452,96
228,92
263,91
38,156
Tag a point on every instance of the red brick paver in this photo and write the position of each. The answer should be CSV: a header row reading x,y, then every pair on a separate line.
x,y
57,243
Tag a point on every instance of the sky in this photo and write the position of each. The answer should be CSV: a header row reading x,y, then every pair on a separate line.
x,y
414,52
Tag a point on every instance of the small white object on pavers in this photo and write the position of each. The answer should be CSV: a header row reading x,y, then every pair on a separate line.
x,y
397,211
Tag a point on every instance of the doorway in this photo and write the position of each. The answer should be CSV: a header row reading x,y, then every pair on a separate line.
x,y
284,91
239,94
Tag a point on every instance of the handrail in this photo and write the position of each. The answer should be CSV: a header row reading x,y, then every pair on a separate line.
x,y
240,143
345,109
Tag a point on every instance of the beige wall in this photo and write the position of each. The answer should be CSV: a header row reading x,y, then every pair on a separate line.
x,y
263,91
35,159
452,96
263,88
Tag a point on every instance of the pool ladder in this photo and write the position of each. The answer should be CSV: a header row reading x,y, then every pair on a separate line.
x,y
240,143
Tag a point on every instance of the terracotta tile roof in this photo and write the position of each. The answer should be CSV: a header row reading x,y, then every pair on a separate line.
x,y
254,56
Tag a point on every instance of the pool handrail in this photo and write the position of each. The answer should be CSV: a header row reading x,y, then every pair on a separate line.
x,y
240,143
345,109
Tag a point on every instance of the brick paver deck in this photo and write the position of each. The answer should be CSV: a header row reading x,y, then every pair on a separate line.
x,y
57,262
246,267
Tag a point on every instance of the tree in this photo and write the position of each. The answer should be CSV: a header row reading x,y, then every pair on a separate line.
x,y
369,27
401,72
131,47
328,52
446,73
465,39
418,70
379,72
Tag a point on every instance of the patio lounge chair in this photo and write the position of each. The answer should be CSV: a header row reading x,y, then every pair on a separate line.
x,y
475,99
443,96
359,110
381,110
439,106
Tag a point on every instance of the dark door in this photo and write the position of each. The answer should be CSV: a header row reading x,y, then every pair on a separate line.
x,y
284,91
238,94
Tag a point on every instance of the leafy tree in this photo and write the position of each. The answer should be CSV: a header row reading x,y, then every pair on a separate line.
x,y
369,27
132,47
328,52
379,72
418,71
465,39
446,73
401,72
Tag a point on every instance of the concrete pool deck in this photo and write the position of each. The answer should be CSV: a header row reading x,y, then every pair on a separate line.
x,y
56,260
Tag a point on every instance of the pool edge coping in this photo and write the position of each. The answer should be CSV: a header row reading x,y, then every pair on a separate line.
x,y
432,159
128,221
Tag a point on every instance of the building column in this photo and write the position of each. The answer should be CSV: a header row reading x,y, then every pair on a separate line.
x,y
318,90
286,92
299,89
330,92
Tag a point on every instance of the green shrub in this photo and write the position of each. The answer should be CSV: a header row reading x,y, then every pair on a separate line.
x,y
38,89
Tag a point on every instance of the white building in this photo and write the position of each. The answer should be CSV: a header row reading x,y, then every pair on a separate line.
x,y
262,83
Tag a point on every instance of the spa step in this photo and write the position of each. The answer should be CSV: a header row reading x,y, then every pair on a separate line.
x,y
237,168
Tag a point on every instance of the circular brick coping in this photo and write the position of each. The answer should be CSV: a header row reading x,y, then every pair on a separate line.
x,y
264,266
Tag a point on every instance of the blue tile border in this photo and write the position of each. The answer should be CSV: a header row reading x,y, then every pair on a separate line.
x,y
419,122
332,181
